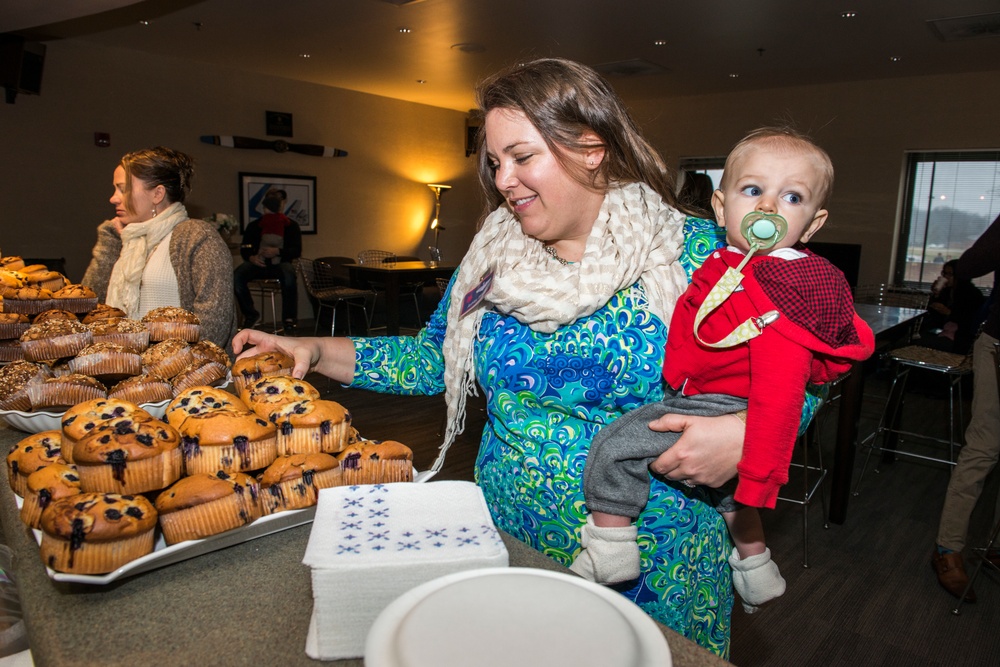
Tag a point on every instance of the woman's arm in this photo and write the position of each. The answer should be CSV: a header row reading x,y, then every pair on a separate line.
x,y
333,357
105,254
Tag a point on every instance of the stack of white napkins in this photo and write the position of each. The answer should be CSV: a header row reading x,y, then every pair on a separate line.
x,y
370,544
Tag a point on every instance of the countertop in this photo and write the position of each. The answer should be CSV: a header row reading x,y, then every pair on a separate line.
x,y
248,604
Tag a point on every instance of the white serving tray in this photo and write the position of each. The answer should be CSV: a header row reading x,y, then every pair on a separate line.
x,y
164,555
36,422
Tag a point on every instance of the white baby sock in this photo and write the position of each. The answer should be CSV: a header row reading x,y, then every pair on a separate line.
x,y
610,554
756,578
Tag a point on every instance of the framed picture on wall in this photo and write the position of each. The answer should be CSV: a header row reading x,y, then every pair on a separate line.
x,y
294,195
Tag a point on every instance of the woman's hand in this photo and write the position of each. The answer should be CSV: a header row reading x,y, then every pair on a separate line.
x,y
333,357
706,453
305,351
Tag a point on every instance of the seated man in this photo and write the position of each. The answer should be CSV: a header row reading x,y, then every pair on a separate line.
x,y
270,244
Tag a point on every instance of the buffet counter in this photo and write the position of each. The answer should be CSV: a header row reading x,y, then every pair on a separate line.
x,y
249,604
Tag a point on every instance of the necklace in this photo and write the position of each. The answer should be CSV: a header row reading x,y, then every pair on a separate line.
x,y
554,255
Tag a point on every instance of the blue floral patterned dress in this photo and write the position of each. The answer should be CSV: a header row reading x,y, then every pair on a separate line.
x,y
547,395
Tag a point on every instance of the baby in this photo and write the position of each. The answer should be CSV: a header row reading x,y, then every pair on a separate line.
x,y
760,320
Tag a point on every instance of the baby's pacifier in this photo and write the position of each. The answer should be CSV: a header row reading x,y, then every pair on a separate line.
x,y
763,230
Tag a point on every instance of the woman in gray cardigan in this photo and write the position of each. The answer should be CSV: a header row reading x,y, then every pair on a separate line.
x,y
151,254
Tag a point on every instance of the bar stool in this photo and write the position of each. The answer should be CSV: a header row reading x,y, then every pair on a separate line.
x,y
264,288
954,367
812,471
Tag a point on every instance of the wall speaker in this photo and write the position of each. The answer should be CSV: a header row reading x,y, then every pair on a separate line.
x,y
21,65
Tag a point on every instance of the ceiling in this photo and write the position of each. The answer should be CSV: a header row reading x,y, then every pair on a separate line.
x,y
708,46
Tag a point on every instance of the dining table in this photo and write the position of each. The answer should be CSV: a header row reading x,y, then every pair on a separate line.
x,y
249,603
392,275
888,323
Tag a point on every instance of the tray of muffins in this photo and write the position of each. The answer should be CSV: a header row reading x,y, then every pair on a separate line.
x,y
115,491
64,358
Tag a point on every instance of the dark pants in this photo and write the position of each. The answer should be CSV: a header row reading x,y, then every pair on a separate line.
x,y
284,272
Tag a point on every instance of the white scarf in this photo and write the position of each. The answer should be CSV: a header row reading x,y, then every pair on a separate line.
x,y
139,240
636,236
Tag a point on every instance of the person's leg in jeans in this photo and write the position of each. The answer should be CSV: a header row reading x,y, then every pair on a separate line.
x,y
242,275
289,294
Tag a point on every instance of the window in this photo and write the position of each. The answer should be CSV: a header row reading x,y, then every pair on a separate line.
x,y
705,165
950,199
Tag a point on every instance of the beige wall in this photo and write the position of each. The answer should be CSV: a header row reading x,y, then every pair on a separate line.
x,y
55,183
865,126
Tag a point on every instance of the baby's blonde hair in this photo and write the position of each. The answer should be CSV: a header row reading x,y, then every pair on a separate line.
x,y
787,136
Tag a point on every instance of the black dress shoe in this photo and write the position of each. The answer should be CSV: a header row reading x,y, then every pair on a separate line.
x,y
951,574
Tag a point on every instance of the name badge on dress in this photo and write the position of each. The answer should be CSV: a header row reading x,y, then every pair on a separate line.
x,y
477,294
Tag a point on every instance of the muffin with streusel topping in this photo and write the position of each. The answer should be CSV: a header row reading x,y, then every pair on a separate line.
x,y
54,314
15,378
199,373
167,358
59,393
108,362
141,389
103,311
206,349
96,533
131,334
55,339
172,322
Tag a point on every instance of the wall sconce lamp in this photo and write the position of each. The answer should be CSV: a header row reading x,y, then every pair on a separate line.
x,y
435,249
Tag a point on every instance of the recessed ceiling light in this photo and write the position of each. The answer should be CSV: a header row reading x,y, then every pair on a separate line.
x,y
734,75
143,22
305,55
894,59
848,15
405,30
660,42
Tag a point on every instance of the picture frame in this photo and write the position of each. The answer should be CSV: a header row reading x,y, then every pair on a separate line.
x,y
300,200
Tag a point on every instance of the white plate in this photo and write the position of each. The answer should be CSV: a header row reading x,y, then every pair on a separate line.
x,y
35,422
168,555
499,615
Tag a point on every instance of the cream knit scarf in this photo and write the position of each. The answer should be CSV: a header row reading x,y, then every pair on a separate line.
x,y
139,240
636,237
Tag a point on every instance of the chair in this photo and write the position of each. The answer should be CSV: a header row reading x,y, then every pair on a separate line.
x,y
996,526
408,289
319,279
267,288
954,367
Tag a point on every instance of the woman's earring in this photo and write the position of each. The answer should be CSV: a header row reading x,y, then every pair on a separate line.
x,y
154,211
